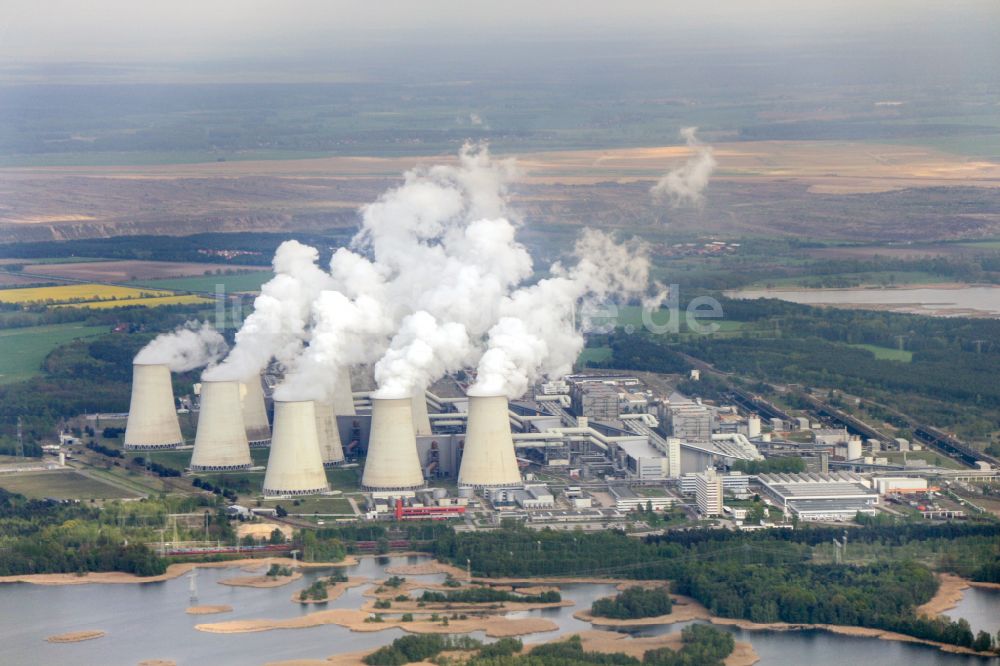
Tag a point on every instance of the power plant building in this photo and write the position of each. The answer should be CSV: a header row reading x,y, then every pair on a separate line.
x,y
688,421
392,462
152,416
829,497
221,441
595,401
255,413
295,464
488,458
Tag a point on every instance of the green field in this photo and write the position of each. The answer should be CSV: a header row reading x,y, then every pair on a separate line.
x,y
22,350
231,283
594,355
311,505
887,353
61,485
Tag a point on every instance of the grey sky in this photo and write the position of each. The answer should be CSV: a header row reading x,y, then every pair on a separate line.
x,y
189,30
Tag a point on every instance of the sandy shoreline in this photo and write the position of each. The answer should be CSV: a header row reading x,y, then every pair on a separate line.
x,y
334,591
76,636
173,571
949,593
865,632
261,581
208,610
496,627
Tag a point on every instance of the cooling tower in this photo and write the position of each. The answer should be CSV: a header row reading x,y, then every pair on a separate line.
x,y
392,462
421,421
221,442
488,459
255,413
343,398
152,415
294,466
328,436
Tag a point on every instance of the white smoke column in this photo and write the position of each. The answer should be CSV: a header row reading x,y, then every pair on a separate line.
x,y
193,345
445,243
686,184
345,332
279,322
423,350
536,335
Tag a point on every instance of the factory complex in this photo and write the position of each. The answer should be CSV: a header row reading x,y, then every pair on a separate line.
x,y
585,451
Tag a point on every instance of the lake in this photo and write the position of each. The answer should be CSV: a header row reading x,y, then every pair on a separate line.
x,y
147,621
976,300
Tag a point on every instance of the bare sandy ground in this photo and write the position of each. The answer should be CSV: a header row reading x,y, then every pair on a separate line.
x,y
426,568
75,636
354,620
833,166
948,595
208,610
261,581
983,586
173,571
610,641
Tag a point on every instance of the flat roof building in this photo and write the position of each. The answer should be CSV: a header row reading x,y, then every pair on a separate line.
x,y
829,497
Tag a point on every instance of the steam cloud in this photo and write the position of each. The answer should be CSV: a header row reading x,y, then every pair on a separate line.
x,y
536,335
433,282
686,184
193,345
277,327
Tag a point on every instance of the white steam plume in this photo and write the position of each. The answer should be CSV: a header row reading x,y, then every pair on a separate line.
x,y
344,332
686,184
191,346
423,350
447,245
536,335
278,325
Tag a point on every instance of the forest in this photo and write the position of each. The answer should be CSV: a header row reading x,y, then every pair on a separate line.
x,y
43,536
763,577
635,602
949,383
701,645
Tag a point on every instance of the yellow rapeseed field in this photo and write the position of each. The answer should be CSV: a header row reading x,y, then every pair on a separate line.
x,y
144,302
78,293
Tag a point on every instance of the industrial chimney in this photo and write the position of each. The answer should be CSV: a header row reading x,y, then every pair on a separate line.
x,y
152,414
330,448
221,442
255,413
343,397
294,466
488,459
421,421
392,462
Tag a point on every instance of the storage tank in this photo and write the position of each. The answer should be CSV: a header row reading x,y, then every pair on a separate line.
x,y
255,413
221,441
854,448
152,414
343,397
421,420
330,448
392,463
488,459
753,426
294,465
